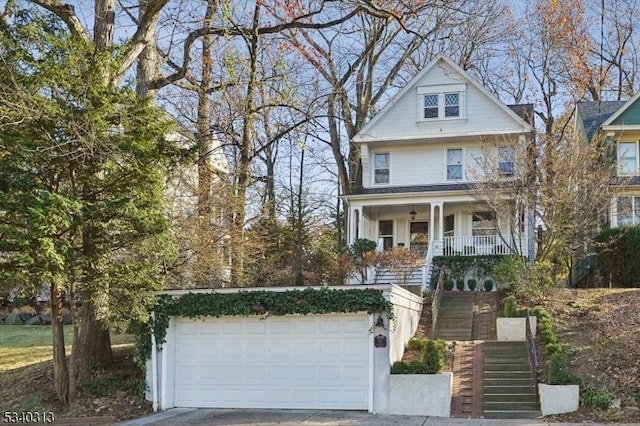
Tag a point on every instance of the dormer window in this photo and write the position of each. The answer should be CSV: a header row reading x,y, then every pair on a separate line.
x,y
441,102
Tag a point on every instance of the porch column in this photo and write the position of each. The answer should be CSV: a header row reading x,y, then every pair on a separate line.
x,y
355,223
431,221
440,220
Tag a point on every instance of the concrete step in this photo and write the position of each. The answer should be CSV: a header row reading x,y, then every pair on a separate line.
x,y
512,414
521,397
512,406
497,374
527,390
509,382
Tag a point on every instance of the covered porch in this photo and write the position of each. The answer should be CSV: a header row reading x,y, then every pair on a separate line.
x,y
429,228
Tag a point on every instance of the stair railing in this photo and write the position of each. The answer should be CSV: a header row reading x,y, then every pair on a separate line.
x,y
435,303
533,356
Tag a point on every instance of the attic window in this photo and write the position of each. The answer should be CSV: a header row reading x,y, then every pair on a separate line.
x,y
441,102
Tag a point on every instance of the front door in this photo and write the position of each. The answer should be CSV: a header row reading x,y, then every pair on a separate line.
x,y
419,237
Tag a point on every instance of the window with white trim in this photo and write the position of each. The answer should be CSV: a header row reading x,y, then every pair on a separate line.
x,y
454,164
628,211
628,158
381,169
484,223
441,102
506,157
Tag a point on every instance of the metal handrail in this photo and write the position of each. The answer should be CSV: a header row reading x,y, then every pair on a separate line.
x,y
533,356
435,303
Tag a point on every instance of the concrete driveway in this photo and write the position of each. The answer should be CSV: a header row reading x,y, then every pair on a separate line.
x,y
245,417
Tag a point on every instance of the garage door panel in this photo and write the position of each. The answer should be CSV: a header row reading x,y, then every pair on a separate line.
x,y
314,361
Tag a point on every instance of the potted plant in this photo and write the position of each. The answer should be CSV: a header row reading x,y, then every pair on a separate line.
x,y
562,393
422,380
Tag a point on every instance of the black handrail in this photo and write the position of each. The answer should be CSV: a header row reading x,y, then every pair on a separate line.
x,y
435,303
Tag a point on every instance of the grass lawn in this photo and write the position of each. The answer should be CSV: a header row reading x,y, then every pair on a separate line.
x,y
22,345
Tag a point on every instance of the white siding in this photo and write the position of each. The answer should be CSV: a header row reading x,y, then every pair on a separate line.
x,y
426,164
482,113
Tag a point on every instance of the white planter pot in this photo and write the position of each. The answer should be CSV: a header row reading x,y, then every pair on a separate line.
x,y
557,399
514,329
421,394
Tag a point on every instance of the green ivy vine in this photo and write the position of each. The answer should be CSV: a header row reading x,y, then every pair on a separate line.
x,y
254,303
456,267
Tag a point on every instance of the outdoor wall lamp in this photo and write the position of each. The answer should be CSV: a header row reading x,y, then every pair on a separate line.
x,y
413,213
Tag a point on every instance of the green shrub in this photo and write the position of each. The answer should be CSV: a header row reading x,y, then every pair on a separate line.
x,y
416,344
599,399
472,284
399,367
618,250
416,367
488,285
548,336
552,348
509,274
559,371
460,284
433,356
510,307
541,313
448,284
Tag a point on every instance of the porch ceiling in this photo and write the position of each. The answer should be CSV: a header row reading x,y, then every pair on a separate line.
x,y
420,208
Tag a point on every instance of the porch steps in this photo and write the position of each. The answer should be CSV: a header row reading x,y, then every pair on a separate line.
x,y
509,385
412,277
455,316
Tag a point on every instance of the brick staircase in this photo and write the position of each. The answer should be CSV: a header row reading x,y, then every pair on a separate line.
x,y
509,385
455,316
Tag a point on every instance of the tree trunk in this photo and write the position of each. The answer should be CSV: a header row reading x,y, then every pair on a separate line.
x,y
91,347
147,68
60,368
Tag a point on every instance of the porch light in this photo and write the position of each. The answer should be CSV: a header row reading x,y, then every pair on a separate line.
x,y
413,213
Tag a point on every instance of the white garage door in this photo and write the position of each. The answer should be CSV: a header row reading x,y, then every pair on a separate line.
x,y
312,361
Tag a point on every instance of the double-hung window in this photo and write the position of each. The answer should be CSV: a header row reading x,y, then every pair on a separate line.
x,y
628,158
628,211
441,102
381,169
454,164
483,224
506,157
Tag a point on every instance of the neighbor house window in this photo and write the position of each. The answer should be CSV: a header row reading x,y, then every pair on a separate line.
x,y
381,167
442,102
628,211
454,164
506,157
628,158
484,223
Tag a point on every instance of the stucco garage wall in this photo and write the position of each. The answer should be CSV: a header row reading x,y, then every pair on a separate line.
x,y
407,309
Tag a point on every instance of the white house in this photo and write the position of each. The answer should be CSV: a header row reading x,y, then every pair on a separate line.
x,y
422,156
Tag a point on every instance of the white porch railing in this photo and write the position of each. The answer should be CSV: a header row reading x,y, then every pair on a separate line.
x,y
482,245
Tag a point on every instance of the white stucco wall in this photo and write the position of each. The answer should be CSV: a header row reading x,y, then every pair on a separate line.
x,y
421,394
514,329
407,309
558,399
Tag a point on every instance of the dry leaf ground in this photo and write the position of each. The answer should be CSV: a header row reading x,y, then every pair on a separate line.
x,y
600,331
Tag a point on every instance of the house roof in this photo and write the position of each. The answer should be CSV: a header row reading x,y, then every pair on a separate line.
x,y
627,105
513,113
411,189
595,113
524,111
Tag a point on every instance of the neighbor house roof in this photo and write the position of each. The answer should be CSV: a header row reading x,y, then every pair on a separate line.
x,y
595,113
